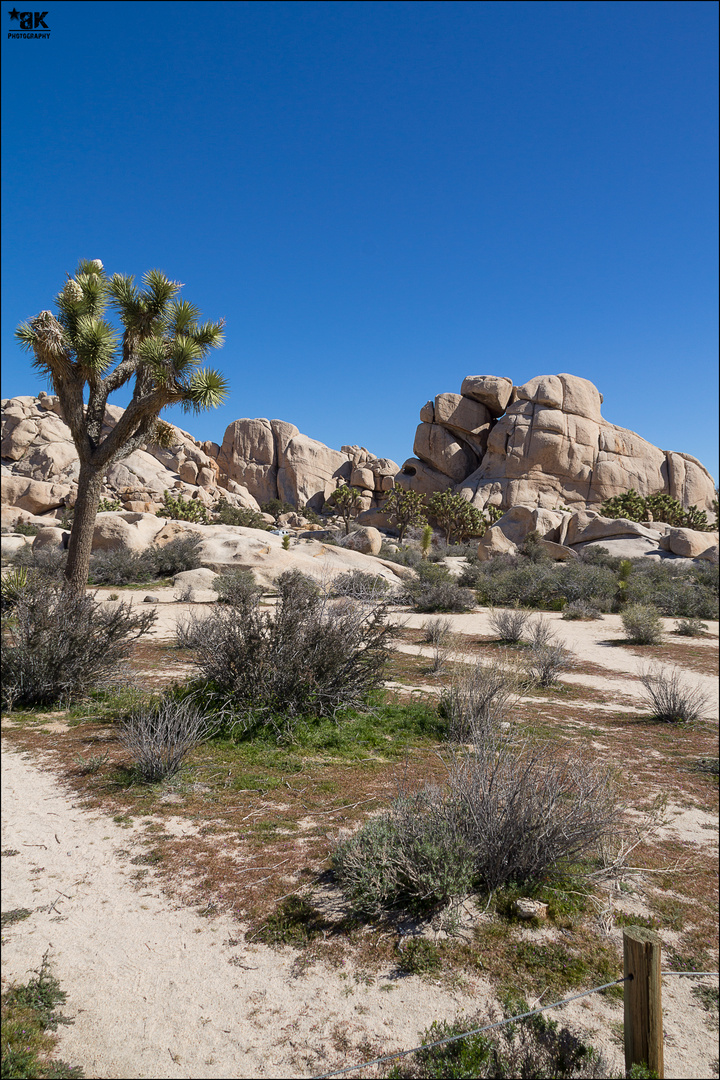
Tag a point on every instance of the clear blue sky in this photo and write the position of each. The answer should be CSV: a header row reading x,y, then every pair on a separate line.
x,y
381,198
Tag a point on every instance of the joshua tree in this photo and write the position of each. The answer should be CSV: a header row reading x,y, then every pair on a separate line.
x,y
405,508
85,359
456,516
345,500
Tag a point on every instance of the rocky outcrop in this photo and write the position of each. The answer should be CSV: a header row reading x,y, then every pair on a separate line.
x,y
273,460
542,444
563,534
41,466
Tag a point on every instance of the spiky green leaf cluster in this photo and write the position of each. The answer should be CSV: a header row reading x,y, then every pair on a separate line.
x,y
456,516
405,509
163,342
635,507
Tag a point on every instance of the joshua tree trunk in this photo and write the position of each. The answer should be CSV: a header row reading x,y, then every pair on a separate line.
x,y
89,488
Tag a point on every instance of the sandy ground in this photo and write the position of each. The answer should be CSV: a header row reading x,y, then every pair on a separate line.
x,y
155,990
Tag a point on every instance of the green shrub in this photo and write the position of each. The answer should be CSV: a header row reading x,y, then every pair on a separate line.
x,y
682,592
642,624
411,857
125,567
311,656
179,508
276,507
445,596
236,587
26,528
509,813
107,505
237,515
690,627
536,1047
635,507
179,554
121,567
58,646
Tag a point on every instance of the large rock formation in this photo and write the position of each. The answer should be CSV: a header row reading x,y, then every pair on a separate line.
x,y
542,444
41,466
273,460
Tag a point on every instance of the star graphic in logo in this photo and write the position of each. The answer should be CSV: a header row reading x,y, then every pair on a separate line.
x,y
14,14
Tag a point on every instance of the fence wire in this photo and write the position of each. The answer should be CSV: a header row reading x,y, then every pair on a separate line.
x,y
477,1031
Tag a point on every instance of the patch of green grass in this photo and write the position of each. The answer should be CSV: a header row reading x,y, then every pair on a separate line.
x,y
420,957
16,915
295,922
708,996
624,918
29,1015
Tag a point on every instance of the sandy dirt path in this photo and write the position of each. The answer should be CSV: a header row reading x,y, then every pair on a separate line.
x,y
156,991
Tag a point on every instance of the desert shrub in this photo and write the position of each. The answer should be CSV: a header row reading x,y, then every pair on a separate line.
x,y
121,567
437,631
179,554
529,808
438,634
545,661
312,655
509,625
531,1048
125,567
436,590
179,508
532,549
405,555
311,516
670,697
581,610
676,591
159,735
503,581
276,507
642,624
26,528
109,505
540,632
58,645
48,561
509,813
412,856
358,584
236,587
478,701
246,517
596,555
690,627
445,596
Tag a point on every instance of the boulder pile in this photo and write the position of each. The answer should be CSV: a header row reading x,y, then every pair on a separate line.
x,y
543,444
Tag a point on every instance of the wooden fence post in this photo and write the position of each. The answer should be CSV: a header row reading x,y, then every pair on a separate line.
x,y
643,999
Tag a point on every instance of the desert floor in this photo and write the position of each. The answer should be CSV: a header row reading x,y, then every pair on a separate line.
x,y
162,980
